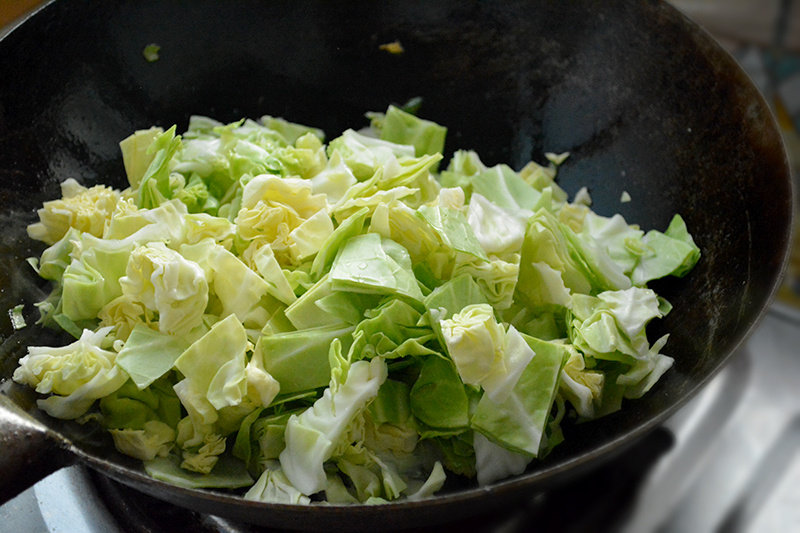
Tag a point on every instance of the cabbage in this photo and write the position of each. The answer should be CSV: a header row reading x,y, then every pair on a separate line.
x,y
274,487
494,462
341,322
312,436
155,439
518,420
149,354
136,155
670,253
369,264
484,353
214,365
87,210
400,127
166,283
75,375
496,228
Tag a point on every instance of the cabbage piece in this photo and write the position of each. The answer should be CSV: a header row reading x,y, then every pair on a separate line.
x,y
393,330
268,435
200,226
582,387
474,341
371,197
348,307
453,229
391,405
350,227
304,313
373,476
262,388
365,155
369,264
463,166
437,398
200,445
400,127
518,422
505,188
214,367
274,487
123,314
383,166
494,462
453,296
243,444
290,131
148,354
365,481
507,369
484,353
299,359
240,290
76,375
449,298
432,485
167,283
496,277
545,325
221,154
92,279
131,408
545,243
307,238
497,229
136,156
166,223
262,260
622,242
397,221
312,436
551,251
542,178
612,325
87,210
305,159
321,306
334,180
646,371
670,253
155,439
154,187
268,201
55,259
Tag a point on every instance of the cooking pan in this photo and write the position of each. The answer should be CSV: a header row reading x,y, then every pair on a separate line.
x,y
644,100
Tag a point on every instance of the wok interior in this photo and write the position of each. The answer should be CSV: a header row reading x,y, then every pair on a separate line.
x,y
644,102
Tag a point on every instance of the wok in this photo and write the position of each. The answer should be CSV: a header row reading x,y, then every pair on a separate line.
x,y
644,100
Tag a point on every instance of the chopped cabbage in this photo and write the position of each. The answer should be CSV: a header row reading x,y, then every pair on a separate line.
x,y
344,323
75,375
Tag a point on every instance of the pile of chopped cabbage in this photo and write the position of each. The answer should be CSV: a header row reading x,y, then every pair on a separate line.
x,y
343,322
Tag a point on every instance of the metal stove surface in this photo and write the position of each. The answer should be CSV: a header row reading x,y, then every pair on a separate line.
x,y
728,461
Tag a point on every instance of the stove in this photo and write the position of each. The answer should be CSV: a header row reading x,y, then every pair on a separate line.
x,y
728,461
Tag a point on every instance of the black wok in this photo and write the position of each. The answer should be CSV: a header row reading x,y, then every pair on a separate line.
x,y
643,99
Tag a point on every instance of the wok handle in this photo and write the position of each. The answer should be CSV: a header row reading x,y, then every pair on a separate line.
x,y
29,451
